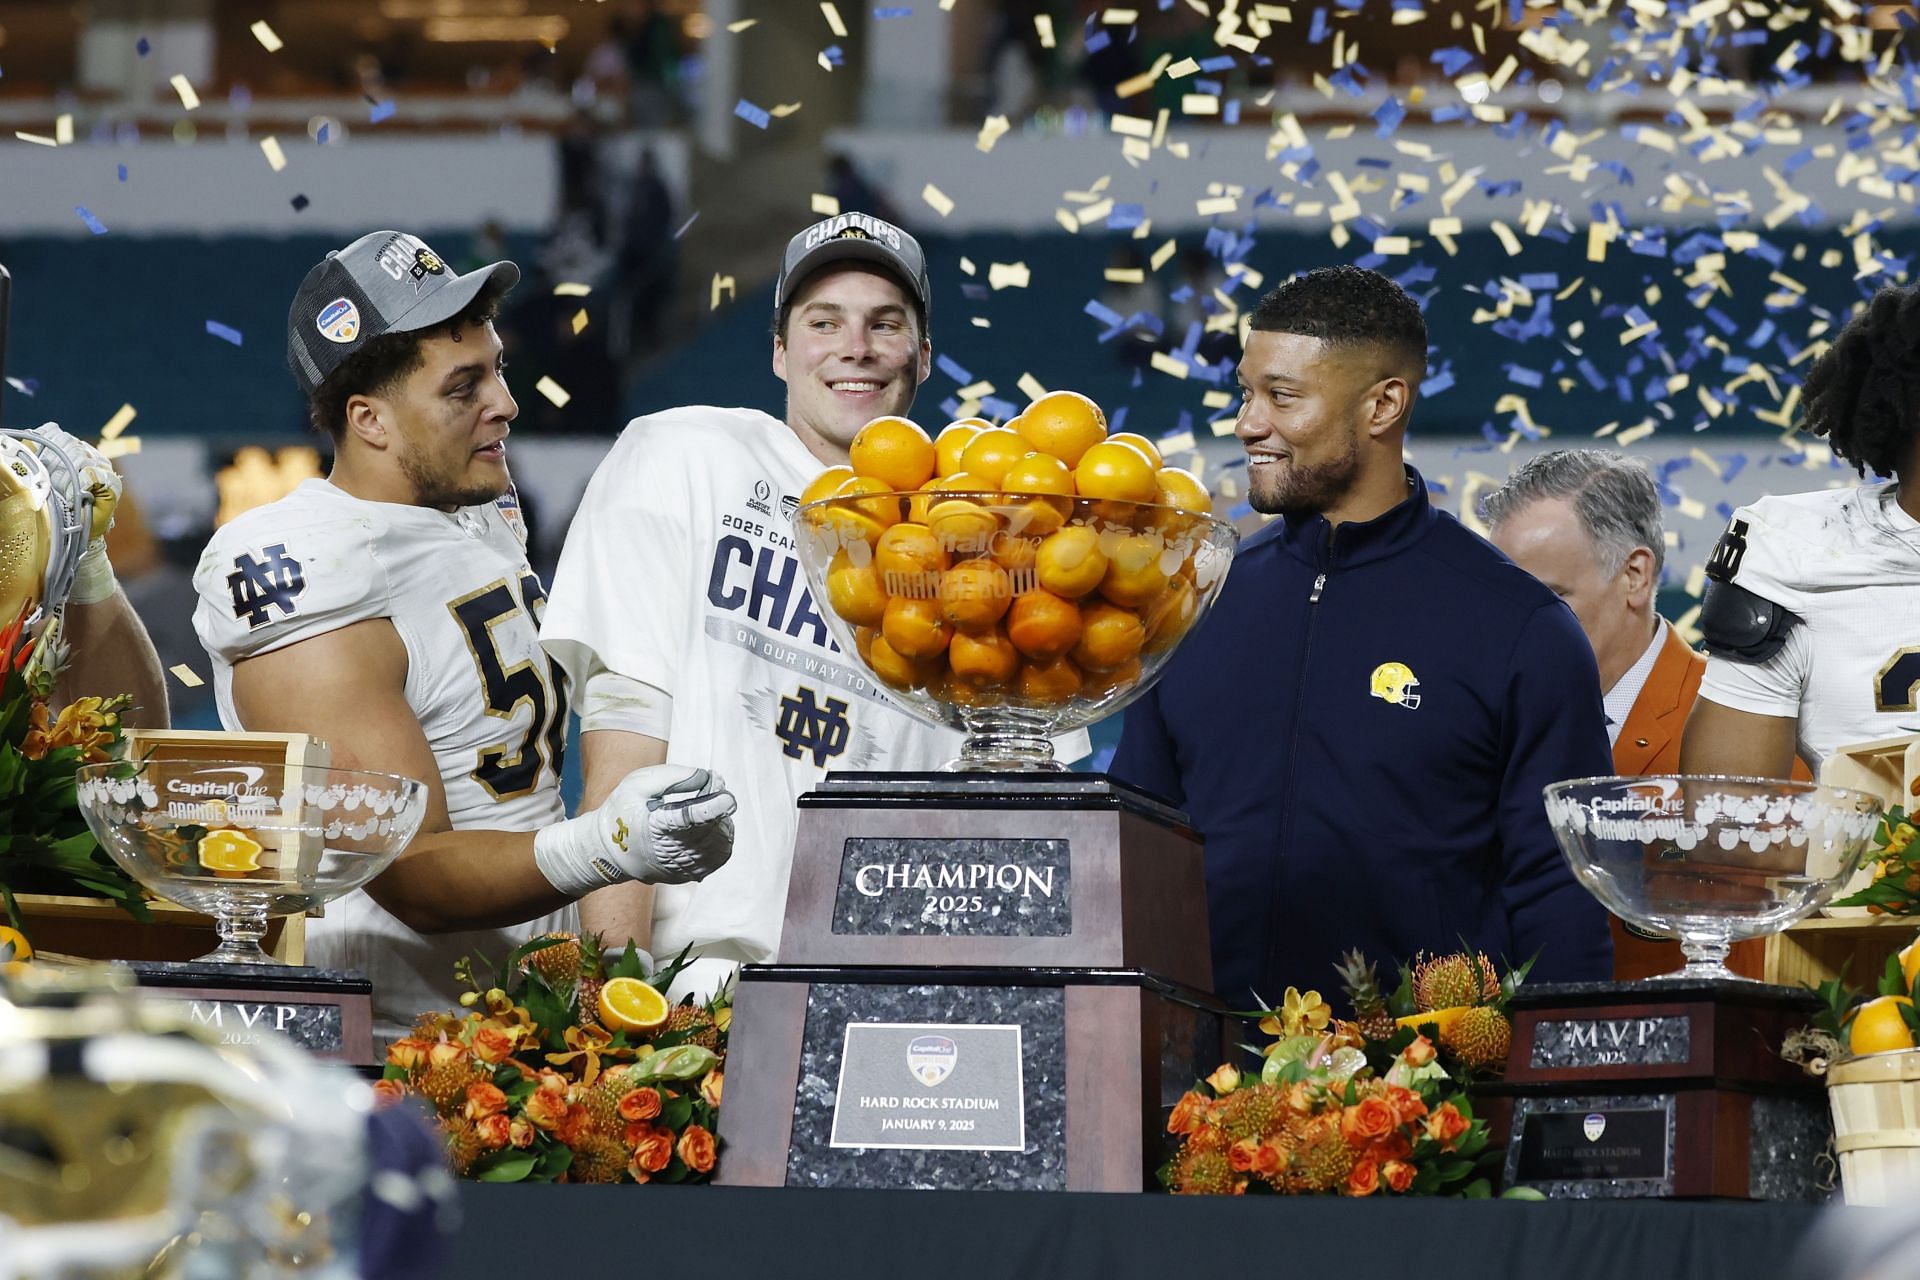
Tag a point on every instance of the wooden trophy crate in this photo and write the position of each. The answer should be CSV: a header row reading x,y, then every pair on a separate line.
x,y
1851,939
96,929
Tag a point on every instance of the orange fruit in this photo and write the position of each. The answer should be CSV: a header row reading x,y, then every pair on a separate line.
x,y
914,628
863,642
1103,684
855,591
904,551
1910,962
991,453
1146,447
1169,617
975,594
963,526
1134,575
1070,563
966,693
923,499
826,484
1116,470
894,451
14,948
1054,681
628,1004
1064,425
1110,637
1181,488
987,658
1016,555
952,442
229,852
899,670
1877,1026
1042,625
872,497
1040,474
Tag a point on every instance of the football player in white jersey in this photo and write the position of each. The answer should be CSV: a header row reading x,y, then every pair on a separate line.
x,y
390,611
682,614
1812,610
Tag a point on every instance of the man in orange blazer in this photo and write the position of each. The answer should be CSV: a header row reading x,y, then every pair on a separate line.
x,y
1587,523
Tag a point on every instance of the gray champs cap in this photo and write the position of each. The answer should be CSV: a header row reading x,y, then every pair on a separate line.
x,y
387,282
858,237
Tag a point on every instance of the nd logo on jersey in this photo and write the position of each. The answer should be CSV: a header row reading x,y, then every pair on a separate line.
x,y
805,726
274,581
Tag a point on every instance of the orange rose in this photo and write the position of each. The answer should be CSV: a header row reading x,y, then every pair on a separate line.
x,y
1407,1105
1240,1155
1366,1120
1395,1146
407,1054
1300,1099
484,1100
521,1132
1419,1053
1269,1161
387,1092
640,1104
546,1109
1399,1175
711,1086
495,1131
446,1053
1364,1180
697,1149
1225,1079
551,1081
655,1151
1445,1125
638,1174
1187,1113
492,1044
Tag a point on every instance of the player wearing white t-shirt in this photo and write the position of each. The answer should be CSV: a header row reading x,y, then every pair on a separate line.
x,y
391,612
681,613
1812,611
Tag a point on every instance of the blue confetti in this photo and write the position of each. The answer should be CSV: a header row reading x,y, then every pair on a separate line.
x,y
687,225
1451,61
1524,376
1213,66
94,224
225,332
299,203
834,55
320,136
1317,31
1103,313
380,111
1098,41
1388,116
123,173
755,116
894,11
143,47
949,366
1230,114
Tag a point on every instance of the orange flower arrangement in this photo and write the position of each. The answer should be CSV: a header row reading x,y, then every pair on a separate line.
x,y
531,1084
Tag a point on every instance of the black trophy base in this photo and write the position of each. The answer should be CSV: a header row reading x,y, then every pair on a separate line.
x,y
1661,1088
959,1078
328,1012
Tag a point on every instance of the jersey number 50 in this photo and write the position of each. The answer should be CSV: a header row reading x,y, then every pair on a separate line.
x,y
511,770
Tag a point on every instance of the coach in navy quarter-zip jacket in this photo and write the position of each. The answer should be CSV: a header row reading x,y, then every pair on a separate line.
x,y
1361,727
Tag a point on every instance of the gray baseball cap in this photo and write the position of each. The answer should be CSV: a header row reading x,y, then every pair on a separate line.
x,y
859,237
387,282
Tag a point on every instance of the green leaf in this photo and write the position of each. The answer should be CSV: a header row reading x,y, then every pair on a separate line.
x,y
664,978
1521,1193
676,1114
1478,1189
1892,981
628,965
554,1161
507,1165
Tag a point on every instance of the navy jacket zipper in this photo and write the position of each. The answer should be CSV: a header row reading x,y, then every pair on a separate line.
x,y
1293,753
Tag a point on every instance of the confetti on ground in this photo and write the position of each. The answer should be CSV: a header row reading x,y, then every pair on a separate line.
x,y
265,35
224,332
94,224
122,418
276,158
184,673
188,98
552,391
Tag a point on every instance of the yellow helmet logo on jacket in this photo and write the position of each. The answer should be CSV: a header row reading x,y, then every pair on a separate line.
x,y
1394,682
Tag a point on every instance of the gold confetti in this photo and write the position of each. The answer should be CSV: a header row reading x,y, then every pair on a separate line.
x,y
1160,255
63,129
120,448
276,158
978,391
1182,69
579,321
1030,386
1183,442
1392,245
37,139
1167,364
121,419
1094,212
834,24
825,206
735,28
188,98
1199,104
966,265
184,673
571,289
265,35
937,200
1217,205
1125,275
1633,435
1132,126
552,391
1696,580
1216,400
991,131
1008,275
784,110
1043,27
721,284
1120,17
1144,81
1508,241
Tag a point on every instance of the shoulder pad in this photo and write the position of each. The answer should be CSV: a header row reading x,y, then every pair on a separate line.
x,y
1741,625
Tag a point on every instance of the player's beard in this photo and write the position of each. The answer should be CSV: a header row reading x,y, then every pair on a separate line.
x,y
446,488
1307,490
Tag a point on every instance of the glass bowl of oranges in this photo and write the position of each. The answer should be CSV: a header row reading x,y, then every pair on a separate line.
x,y
1012,582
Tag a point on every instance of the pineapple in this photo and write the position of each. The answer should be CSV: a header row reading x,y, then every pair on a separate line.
x,y
1479,1037
696,1023
1363,992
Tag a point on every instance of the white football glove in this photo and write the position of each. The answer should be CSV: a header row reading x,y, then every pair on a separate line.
x,y
664,824
93,581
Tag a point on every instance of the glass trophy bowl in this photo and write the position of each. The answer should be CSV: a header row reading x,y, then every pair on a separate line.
x,y
1011,618
242,840
1710,860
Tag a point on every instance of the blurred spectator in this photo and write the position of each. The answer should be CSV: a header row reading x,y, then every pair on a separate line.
x,y
850,187
1020,71
489,244
544,344
651,40
580,175
649,260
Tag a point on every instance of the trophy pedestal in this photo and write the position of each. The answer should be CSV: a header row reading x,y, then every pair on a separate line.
x,y
1662,1088
987,981
328,1012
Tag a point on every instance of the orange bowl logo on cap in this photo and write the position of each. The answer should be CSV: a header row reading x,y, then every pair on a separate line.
x,y
339,321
